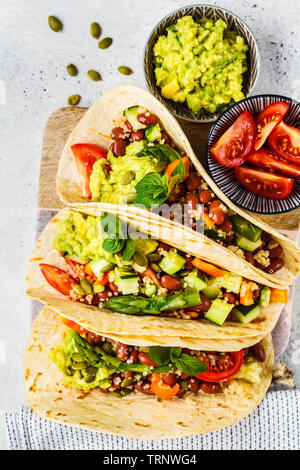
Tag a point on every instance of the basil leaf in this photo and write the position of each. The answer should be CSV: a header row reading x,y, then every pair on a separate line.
x,y
190,365
151,190
112,245
129,249
175,353
160,355
111,225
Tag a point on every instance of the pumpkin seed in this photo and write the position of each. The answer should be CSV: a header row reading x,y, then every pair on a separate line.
x,y
127,382
79,290
98,288
105,43
73,100
127,177
107,347
77,357
95,30
86,286
67,371
94,75
152,257
155,267
79,365
72,70
125,70
140,259
55,24
122,392
91,370
89,378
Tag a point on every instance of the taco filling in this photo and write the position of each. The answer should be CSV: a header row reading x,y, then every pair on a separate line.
x,y
144,167
97,265
88,361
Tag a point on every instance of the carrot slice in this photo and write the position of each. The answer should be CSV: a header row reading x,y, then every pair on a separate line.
x,y
171,167
246,295
162,389
279,295
207,267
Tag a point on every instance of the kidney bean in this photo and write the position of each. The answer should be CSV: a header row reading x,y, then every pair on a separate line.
x,y
255,294
164,246
229,298
184,376
266,237
145,359
188,265
226,225
191,200
170,282
145,387
249,257
169,378
193,384
246,351
216,213
119,147
206,196
128,126
137,135
113,287
206,303
274,266
275,252
104,295
103,390
93,338
165,136
259,352
127,374
122,352
133,356
147,120
119,133
210,387
193,181
116,381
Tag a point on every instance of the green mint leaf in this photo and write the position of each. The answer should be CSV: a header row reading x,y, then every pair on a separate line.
x,y
151,191
112,245
160,355
129,249
190,365
175,353
111,225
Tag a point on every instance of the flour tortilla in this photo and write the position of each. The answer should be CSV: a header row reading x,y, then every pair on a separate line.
x,y
139,329
136,415
95,127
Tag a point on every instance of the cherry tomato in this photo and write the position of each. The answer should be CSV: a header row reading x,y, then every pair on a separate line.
x,y
219,375
57,278
285,140
263,183
85,156
267,119
234,146
265,158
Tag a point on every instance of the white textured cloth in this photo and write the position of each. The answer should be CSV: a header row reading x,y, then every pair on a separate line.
x,y
274,425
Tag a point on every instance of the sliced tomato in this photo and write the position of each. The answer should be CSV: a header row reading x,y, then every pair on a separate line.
x,y
233,148
265,158
264,184
267,119
219,375
74,326
85,156
57,278
285,140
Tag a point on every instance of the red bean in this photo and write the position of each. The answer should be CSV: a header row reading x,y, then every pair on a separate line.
x,y
184,376
275,252
274,266
170,282
206,303
216,213
193,384
116,381
246,351
104,295
113,287
103,390
164,246
133,356
229,298
119,147
127,374
249,257
266,237
229,239
165,136
210,387
193,181
93,338
169,379
147,120
259,352
206,196
137,135
122,352
145,387
145,359
119,133
128,126
189,264
192,201
226,225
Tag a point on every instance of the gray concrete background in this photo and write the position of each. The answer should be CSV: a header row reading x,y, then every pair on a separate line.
x,y
32,71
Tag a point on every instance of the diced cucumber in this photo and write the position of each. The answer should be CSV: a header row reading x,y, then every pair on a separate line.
x,y
231,282
246,244
138,268
245,228
150,290
172,262
218,311
265,295
214,234
246,314
153,133
100,266
193,280
131,115
213,288
126,280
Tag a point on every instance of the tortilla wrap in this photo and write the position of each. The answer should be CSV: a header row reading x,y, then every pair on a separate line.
x,y
136,415
150,329
95,127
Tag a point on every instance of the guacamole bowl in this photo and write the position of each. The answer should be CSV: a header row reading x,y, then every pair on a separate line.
x,y
180,108
225,177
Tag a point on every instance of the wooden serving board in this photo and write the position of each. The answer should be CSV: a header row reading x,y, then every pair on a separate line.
x,y
62,122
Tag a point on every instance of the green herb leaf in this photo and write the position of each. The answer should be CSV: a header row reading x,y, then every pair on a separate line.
x,y
190,365
111,225
151,190
129,249
160,355
112,245
175,353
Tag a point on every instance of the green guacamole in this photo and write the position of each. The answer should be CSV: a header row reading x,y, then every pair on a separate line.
x,y
200,63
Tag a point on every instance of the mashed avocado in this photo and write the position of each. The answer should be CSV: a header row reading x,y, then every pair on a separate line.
x,y
113,186
250,371
201,63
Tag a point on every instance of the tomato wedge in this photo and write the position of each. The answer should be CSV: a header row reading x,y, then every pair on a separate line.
x,y
265,158
285,140
233,148
85,156
218,376
267,119
57,278
264,184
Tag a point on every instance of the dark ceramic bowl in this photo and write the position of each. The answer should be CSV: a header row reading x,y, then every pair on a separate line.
x,y
234,23
225,177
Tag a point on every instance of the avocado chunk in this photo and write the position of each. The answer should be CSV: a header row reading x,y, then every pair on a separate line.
x,y
246,314
131,115
265,295
172,262
246,244
231,282
245,228
218,311
194,281
153,133
213,289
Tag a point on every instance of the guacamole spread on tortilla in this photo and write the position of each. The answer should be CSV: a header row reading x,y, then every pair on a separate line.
x,y
200,63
